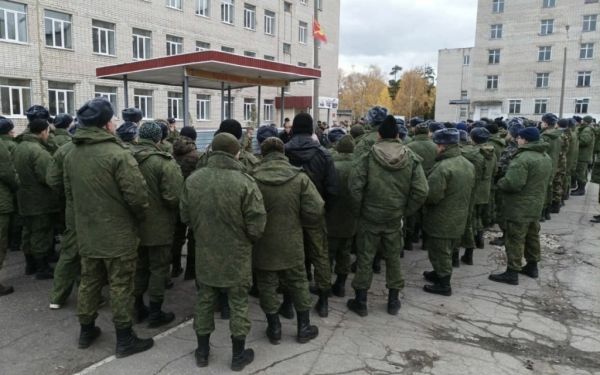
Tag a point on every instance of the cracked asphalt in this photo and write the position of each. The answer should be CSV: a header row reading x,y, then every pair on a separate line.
x,y
545,326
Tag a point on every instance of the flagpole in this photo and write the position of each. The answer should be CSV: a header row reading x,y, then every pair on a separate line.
x,y
316,66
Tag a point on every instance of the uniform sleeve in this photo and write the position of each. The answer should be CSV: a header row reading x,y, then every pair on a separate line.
x,y
54,174
8,175
357,181
40,168
419,188
132,185
586,137
311,204
184,212
331,180
515,179
437,186
255,216
171,184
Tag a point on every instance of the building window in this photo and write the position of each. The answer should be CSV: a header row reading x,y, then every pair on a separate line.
x,y
249,54
108,93
589,22
581,106
175,105
545,53
202,46
492,82
497,6
250,16
175,4
142,44
142,100
466,59
15,96
304,2
174,45
227,11
61,98
548,3
229,109
586,51
203,8
269,57
547,27
203,107
584,79
103,37
249,109
463,112
464,94
13,22
269,110
496,32
269,22
227,49
540,106
58,29
287,49
542,80
287,7
514,106
494,56
302,32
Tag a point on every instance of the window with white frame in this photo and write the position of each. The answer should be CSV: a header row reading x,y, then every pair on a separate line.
x,y
174,45
61,98
15,96
142,44
249,16
492,82
142,100
103,37
202,46
13,22
287,7
466,59
545,53
494,56
496,31
175,105
589,22
287,49
228,109
108,93
497,6
548,3
202,107
540,106
227,9
249,109
581,106
584,79
203,8
269,22
302,32
586,51
547,27
175,4
58,29
269,110
514,106
542,80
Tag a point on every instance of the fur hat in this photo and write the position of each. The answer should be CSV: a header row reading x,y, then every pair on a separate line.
x,y
446,137
96,112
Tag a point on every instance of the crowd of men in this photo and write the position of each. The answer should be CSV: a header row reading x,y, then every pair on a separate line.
x,y
126,198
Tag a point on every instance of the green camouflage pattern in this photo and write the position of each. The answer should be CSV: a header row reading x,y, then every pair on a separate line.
x,y
186,155
293,280
61,136
152,271
559,186
484,188
204,321
9,142
4,230
341,223
440,251
339,250
522,239
423,146
499,143
38,234
9,181
586,143
573,155
364,143
247,160
475,157
67,269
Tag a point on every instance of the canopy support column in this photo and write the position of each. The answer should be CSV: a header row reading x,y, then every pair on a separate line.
x,y
258,106
126,87
186,100
229,106
222,101
282,115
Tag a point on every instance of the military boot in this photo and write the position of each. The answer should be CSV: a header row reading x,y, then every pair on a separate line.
x,y
141,310
531,270
273,328
224,306
508,277
359,303
43,271
479,241
306,332
547,213
128,343
203,350
555,208
580,189
455,260
408,245
29,265
159,318
287,307
322,306
241,356
88,334
467,258
441,287
393,305
6,290
430,276
339,287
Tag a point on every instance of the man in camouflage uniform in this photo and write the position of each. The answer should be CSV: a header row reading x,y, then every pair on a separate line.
x,y
375,117
225,209
499,144
552,136
585,134
573,152
291,201
110,198
451,182
14,232
480,137
164,181
386,184
173,133
558,184
8,187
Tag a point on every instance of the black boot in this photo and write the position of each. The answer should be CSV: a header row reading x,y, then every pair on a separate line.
x,y
455,260
141,310
543,216
393,302
254,291
431,276
359,303
203,350
467,258
408,245
580,189
498,241
176,271
88,334
555,208
43,271
159,318
531,270
6,290
128,343
224,305
273,328
287,307
377,264
306,332
322,306
29,265
241,356
508,277
479,241
547,213
442,287
339,287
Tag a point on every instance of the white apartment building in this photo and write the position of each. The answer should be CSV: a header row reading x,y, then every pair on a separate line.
x,y
51,48
516,66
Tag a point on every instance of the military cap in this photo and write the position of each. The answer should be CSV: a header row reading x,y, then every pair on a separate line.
x,y
588,119
415,121
577,119
150,130
564,123
96,112
435,126
464,136
271,144
530,134
402,131
480,135
335,134
264,132
164,129
37,111
127,131
226,142
422,128
357,130
132,114
462,126
550,118
63,121
446,137
376,115
345,145
6,125
189,131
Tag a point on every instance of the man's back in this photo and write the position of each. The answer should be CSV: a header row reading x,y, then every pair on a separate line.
x,y
425,148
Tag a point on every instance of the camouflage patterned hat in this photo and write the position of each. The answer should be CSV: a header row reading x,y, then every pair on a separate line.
x,y
226,142
345,145
271,144
151,130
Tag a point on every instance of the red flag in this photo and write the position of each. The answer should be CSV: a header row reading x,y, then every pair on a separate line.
x,y
318,32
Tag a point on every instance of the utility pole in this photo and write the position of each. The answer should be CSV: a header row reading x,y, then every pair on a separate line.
x,y
316,82
564,75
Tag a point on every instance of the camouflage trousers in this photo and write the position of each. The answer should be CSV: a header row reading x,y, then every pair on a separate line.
x,y
369,241
558,186
339,252
581,173
152,271
293,281
440,254
316,251
412,225
119,274
522,239
38,235
478,215
4,229
468,239
67,269
237,296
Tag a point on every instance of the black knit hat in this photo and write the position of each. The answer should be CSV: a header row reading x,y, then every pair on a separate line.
x,y
97,112
345,145
302,124
6,125
232,127
189,131
388,128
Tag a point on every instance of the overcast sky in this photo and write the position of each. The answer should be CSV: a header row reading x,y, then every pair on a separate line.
x,y
408,33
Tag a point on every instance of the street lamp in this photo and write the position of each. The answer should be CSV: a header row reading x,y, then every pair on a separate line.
x,y
564,74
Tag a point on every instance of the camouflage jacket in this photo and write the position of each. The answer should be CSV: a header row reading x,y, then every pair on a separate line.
x,y
247,160
573,155
586,143
483,190
55,179
499,144
423,146
10,143
509,152
341,223
552,138
61,136
475,157
8,180
186,155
